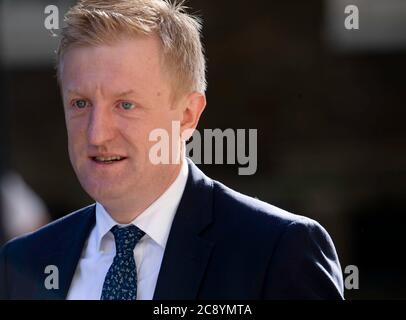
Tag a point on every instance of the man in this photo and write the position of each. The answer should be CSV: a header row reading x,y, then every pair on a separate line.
x,y
157,231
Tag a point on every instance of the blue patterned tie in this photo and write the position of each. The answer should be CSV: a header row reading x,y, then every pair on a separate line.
x,y
121,279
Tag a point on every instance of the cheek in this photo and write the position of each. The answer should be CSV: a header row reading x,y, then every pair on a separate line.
x,y
76,135
135,131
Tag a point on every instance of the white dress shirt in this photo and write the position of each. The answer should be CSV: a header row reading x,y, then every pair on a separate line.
x,y
99,250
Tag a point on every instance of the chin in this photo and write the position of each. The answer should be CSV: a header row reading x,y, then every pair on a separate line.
x,y
103,191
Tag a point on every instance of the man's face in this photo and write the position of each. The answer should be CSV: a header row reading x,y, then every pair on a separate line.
x,y
114,96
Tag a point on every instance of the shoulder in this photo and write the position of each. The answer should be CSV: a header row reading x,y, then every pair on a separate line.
x,y
265,226
252,214
48,235
301,258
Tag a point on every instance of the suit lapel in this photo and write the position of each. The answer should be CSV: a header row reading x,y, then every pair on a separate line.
x,y
65,254
186,254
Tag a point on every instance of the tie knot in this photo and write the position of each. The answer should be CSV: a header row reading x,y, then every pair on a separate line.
x,y
126,238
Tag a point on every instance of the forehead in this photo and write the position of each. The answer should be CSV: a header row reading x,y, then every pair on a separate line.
x,y
130,62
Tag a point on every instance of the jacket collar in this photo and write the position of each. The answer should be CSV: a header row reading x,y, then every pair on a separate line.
x,y
187,253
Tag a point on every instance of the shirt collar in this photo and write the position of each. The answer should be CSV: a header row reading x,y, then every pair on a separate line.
x,y
156,220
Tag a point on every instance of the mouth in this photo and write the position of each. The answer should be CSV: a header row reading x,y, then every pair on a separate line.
x,y
108,160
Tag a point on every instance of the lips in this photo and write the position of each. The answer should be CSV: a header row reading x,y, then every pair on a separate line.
x,y
107,159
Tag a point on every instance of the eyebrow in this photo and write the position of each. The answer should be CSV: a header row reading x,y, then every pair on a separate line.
x,y
74,92
124,93
118,95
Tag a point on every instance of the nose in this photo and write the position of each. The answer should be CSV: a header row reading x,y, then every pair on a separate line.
x,y
101,127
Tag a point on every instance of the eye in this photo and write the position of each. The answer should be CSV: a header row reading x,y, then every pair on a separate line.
x,y
80,104
127,105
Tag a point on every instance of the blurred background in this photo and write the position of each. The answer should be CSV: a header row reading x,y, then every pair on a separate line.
x,y
328,104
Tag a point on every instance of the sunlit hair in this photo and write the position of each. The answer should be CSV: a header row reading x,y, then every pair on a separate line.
x,y
98,22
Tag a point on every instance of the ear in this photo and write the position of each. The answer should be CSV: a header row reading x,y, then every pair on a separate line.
x,y
193,107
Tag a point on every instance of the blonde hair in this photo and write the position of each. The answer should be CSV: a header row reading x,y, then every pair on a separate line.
x,y
96,22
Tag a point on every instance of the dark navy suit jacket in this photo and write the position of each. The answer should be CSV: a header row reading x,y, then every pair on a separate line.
x,y
222,245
